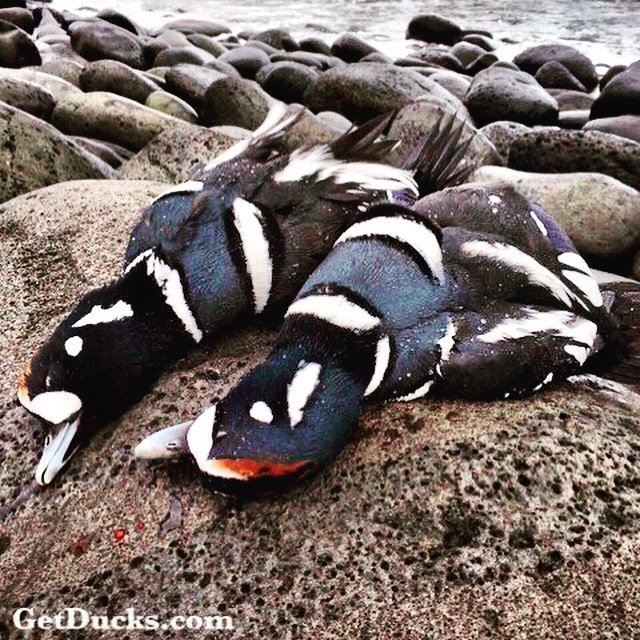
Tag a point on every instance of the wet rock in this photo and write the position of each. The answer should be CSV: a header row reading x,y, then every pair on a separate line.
x,y
190,82
192,25
105,152
456,83
530,60
277,38
97,40
434,28
502,94
22,18
120,20
34,154
554,75
350,48
116,77
246,60
17,49
574,119
600,214
570,100
440,56
223,67
235,101
288,81
68,70
502,134
27,96
112,118
56,86
363,90
174,155
481,63
481,41
315,45
611,73
624,126
467,52
550,150
377,57
182,55
313,60
172,106
620,96
207,43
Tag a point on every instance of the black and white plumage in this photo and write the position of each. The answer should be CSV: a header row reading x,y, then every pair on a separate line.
x,y
474,292
235,241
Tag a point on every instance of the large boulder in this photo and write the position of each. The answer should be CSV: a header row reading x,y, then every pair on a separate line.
x,y
620,96
531,59
18,16
53,84
112,118
498,93
554,75
116,77
600,214
171,105
350,48
247,61
625,126
190,82
434,28
33,154
287,81
366,89
17,49
551,150
27,96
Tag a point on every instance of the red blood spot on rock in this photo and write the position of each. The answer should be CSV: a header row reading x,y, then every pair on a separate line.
x,y
140,526
79,546
119,534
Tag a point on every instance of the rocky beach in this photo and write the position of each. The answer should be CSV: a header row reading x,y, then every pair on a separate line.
x,y
442,518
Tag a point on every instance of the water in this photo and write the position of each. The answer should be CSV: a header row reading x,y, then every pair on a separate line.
x,y
608,31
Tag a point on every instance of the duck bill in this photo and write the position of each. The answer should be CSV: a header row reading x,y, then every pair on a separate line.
x,y
60,445
166,443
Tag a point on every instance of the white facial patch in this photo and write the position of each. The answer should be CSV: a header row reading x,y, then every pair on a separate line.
x,y
255,246
73,346
410,232
261,412
519,261
53,406
299,390
383,355
335,309
420,392
98,315
539,223
200,436
191,186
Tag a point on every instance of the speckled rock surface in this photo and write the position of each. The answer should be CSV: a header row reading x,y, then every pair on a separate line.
x,y
441,519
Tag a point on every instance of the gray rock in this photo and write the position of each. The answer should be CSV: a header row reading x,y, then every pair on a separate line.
x,y
439,56
620,96
309,130
112,118
502,94
33,154
574,119
551,150
276,38
481,63
190,82
246,60
578,64
481,41
120,20
600,214
455,83
336,121
175,154
235,101
56,86
350,48
207,43
315,45
100,149
571,100
624,126
97,40
64,68
288,81
27,96
17,49
116,77
467,53
502,134
223,67
192,25
363,90
182,55
172,106
378,56
433,28
554,75
611,73
21,18
314,60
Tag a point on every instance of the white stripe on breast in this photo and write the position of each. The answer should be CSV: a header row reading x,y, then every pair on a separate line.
x,y
337,310
383,355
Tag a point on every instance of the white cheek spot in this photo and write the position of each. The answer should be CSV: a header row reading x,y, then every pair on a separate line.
x,y
539,223
98,315
337,310
383,355
200,436
261,412
54,406
300,388
493,199
73,346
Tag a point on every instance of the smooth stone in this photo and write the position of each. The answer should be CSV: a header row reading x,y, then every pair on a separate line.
x,y
481,41
315,45
621,95
190,82
429,27
531,59
288,81
207,43
235,101
247,60
551,150
600,214
34,154
466,52
456,83
440,56
258,44
350,48
55,85
68,70
21,18
571,100
100,149
17,49
277,38
335,121
116,77
166,102
313,60
192,25
502,94
554,75
623,126
481,63
182,55
97,40
502,134
120,20
309,130
611,73
575,119
112,118
377,57
27,96
171,38
175,154
361,91
223,67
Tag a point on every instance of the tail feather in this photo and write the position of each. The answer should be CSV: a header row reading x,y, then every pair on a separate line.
x,y
362,143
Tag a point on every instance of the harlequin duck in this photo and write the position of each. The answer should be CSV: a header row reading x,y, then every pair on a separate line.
x,y
474,293
237,240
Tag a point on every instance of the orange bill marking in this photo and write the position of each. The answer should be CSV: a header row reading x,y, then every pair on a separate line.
x,y
23,391
246,469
